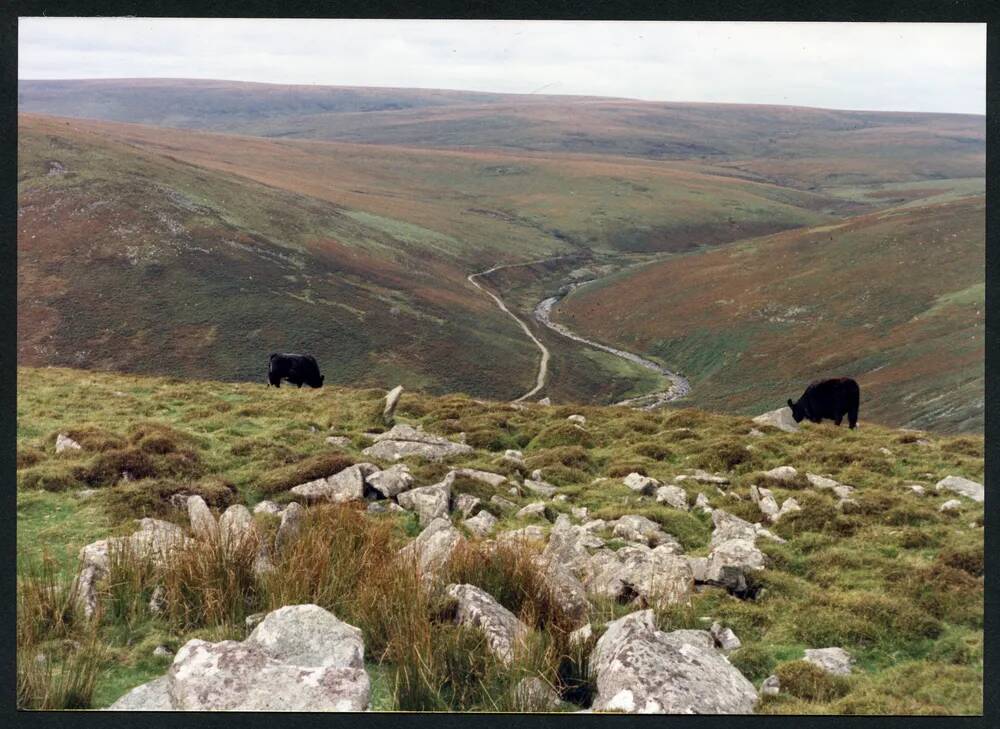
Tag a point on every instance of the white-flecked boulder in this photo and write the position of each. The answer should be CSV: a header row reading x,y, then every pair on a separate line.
x,y
781,419
308,635
672,495
405,440
478,609
641,484
482,524
658,576
771,686
567,590
725,639
639,669
790,506
962,487
432,547
203,524
429,502
392,481
835,661
765,501
731,561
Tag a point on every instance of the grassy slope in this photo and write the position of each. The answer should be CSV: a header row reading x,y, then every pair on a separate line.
x,y
875,580
894,299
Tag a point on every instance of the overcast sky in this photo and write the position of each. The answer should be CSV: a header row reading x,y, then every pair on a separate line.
x,y
878,66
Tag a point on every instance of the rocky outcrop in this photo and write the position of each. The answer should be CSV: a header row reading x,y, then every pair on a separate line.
x,y
482,524
478,609
345,485
405,440
392,481
636,528
639,669
672,495
962,487
429,502
299,658
432,547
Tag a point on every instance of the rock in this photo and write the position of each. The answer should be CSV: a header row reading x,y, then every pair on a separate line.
x,y
467,504
594,525
702,503
432,547
785,474
291,525
154,540
725,639
535,510
161,651
730,561
765,501
579,512
493,479
539,487
835,661
673,496
636,528
531,533
267,507
65,443
729,527
639,669
430,502
392,481
345,485
885,451
579,419
502,503
533,694
754,433
567,591
699,567
545,401
657,576
781,419
308,635
822,482
917,489
514,458
641,484
158,601
482,524
962,487
567,546
951,505
537,474
338,441
789,506
152,696
405,440
203,524
581,635
705,477
478,609
391,401
252,621
236,527
771,686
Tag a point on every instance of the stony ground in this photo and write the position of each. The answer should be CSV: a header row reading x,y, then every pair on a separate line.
x,y
468,555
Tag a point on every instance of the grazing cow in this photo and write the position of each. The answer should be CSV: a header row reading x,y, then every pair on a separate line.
x,y
298,369
831,399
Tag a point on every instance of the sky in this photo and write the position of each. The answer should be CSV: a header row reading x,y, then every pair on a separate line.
x,y
934,67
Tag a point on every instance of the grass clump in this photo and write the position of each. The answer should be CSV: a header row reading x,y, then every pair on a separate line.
x,y
562,434
310,468
162,497
807,681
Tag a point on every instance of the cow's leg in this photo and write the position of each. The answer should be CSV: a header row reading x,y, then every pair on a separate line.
x,y
838,421
852,417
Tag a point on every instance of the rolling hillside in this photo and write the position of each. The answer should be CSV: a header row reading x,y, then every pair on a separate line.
x,y
893,298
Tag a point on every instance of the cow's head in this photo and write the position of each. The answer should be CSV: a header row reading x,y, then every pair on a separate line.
x,y
316,382
798,411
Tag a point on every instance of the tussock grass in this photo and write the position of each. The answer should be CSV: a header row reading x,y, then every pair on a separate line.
x,y
320,465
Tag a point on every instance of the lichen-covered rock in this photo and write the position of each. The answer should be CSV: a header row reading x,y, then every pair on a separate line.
x,y
771,686
405,440
842,491
487,477
673,496
641,484
790,506
308,635
657,576
567,591
784,474
781,419
65,443
535,510
951,505
392,481
429,502
391,401
639,669
291,525
482,524
513,458
501,503
835,661
637,528
541,488
534,695
725,639
152,696
525,535
432,547
338,441
962,487
702,503
478,609
268,507
203,524
730,561
466,504
347,484
236,527
765,501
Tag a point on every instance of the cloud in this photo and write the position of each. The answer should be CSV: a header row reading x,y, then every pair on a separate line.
x,y
884,66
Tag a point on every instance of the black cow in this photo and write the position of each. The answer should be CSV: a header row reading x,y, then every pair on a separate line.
x,y
830,399
296,368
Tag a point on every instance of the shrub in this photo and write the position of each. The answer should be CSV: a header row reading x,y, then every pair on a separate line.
x,y
964,445
807,681
310,468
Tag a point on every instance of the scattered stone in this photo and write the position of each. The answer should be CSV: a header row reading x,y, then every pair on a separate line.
x,y
493,479
541,488
703,477
641,484
950,505
962,487
537,474
478,609
566,590
579,512
534,510
502,503
158,601
161,651
885,451
822,482
636,528
338,441
789,506
430,502
835,661
466,504
268,507
917,489
771,686
203,524
392,481
545,401
291,525
482,524
236,527
656,576
781,419
568,544
754,433
702,503
532,533
65,443
391,401
432,547
581,635
639,669
784,474
673,496
725,639
699,567
577,419
765,501
345,485
514,458
405,440
513,491
730,561
728,526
